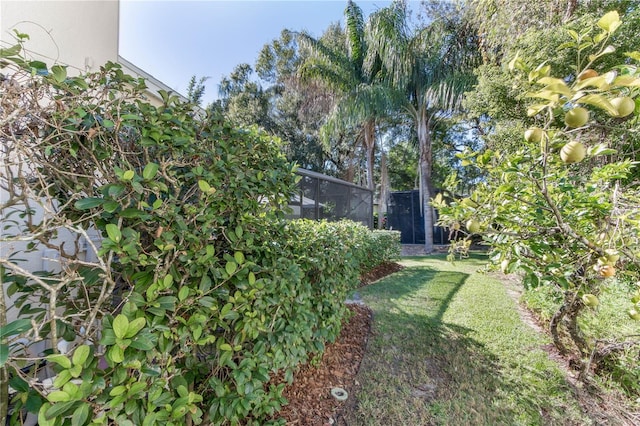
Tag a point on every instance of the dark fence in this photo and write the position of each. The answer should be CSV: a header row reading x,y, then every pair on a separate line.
x,y
325,197
404,214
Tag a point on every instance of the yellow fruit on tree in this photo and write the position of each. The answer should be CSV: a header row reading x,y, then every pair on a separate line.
x,y
590,300
533,134
607,271
623,105
634,314
576,117
473,226
573,152
455,226
588,73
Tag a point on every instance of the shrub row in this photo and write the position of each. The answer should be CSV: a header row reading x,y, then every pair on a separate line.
x,y
201,290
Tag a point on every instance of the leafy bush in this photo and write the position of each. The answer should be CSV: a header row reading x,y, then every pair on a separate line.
x,y
199,291
384,246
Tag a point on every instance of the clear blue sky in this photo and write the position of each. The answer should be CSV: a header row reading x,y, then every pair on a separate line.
x,y
173,40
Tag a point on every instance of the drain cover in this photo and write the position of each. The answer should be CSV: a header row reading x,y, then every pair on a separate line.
x,y
339,394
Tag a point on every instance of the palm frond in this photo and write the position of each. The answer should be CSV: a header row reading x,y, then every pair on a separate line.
x,y
335,77
355,34
322,56
387,38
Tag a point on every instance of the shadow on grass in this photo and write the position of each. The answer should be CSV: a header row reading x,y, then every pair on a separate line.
x,y
420,370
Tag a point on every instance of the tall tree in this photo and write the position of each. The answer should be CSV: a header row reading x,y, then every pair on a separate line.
x,y
428,67
500,23
195,89
362,99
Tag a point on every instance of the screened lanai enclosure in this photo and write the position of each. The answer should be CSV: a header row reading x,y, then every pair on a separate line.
x,y
325,197
404,214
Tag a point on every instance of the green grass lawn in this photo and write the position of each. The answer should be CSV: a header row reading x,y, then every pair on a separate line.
x,y
449,347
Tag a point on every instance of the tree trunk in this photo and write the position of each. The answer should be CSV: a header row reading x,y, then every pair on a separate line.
x,y
571,8
424,141
553,329
370,146
574,329
382,201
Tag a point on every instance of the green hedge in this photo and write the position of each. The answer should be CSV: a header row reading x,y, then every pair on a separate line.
x,y
202,291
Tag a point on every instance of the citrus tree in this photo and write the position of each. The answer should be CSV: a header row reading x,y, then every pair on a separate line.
x,y
562,209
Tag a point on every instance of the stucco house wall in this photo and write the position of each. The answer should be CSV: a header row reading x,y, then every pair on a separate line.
x,y
80,34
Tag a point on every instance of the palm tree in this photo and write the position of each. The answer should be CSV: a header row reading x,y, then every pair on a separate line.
x,y
362,100
427,66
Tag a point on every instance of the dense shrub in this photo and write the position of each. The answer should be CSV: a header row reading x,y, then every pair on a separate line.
x,y
200,291
385,246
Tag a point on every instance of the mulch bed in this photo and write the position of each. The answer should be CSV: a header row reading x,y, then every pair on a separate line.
x,y
379,272
309,396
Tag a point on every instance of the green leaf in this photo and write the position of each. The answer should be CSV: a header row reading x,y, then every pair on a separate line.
x,y
10,51
633,55
142,344
239,257
600,149
183,293
120,326
42,419
118,390
4,353
204,186
598,101
130,117
226,347
18,384
150,171
39,67
610,21
57,410
135,326
167,281
81,354
58,396
231,267
59,359
63,377
80,415
59,73
226,309
535,109
131,213
15,327
114,232
116,354
128,175
88,203
111,206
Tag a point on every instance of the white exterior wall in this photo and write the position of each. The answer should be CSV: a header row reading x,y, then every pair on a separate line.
x,y
81,34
